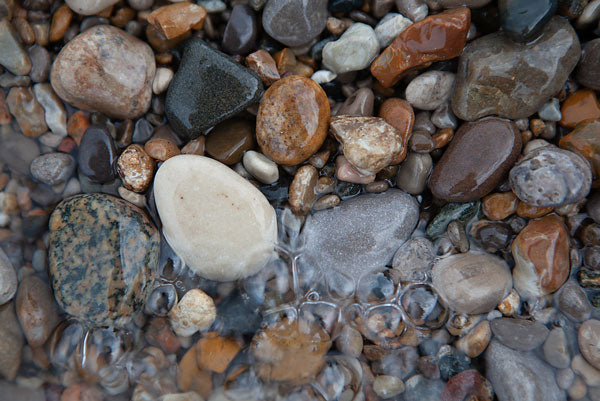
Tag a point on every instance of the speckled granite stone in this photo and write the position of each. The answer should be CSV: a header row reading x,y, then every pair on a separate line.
x,y
103,255
209,87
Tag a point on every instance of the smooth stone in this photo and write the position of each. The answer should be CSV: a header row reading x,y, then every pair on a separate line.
x,y
580,106
463,212
162,79
108,283
344,171
107,70
8,279
241,31
468,384
471,282
360,103
522,21
89,7
462,175
36,310
549,176
588,338
11,346
54,111
587,72
228,141
213,6
584,140
209,87
519,334
589,16
292,120
8,80
590,374
360,235
435,38
261,167
173,21
541,254
430,90
217,222
443,117
14,58
323,76
518,375
413,172
388,386
53,168
550,111
353,51
98,155
418,388
302,194
476,340
27,111
389,27
573,302
17,150
294,22
539,70
41,61
439,4
556,349
414,259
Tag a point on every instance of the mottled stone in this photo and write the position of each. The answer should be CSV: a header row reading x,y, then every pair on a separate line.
x,y
136,168
241,31
476,340
468,385
414,259
499,205
368,143
522,21
588,338
437,37
519,334
292,120
518,375
302,194
209,87
55,114
294,22
462,212
107,283
107,70
360,235
195,311
462,175
176,19
228,140
353,51
36,310
13,57
97,154
539,70
430,90
52,168
27,111
388,386
216,221
580,366
472,282
541,253
580,106
587,72
549,176
585,141
11,345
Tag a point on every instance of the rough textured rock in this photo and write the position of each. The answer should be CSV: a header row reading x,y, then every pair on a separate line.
x,y
539,69
107,70
294,22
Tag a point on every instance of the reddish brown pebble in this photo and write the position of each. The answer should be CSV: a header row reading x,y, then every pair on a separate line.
x,y
67,145
302,189
499,206
292,120
344,171
160,334
264,65
537,126
60,22
77,125
584,139
5,116
27,111
580,106
190,377
303,69
285,60
195,146
467,385
228,141
442,137
532,212
136,168
399,114
215,353
123,16
161,149
176,19
160,43
438,37
24,30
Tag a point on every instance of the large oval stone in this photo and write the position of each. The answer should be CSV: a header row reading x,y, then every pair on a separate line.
x,y
217,222
513,80
478,157
103,256
472,282
107,70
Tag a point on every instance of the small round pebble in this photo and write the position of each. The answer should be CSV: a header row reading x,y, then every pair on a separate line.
x,y
161,149
8,279
430,90
261,167
388,386
136,168
195,311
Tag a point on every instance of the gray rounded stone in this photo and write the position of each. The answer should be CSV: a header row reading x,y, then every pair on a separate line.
x,y
414,259
519,334
294,22
556,349
53,168
8,279
430,90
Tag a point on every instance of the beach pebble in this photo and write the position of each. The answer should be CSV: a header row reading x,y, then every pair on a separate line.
x,y
430,89
389,27
53,168
353,51
194,312
261,167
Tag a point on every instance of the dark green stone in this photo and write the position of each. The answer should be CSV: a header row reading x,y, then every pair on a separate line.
x,y
208,88
522,20
463,212
103,257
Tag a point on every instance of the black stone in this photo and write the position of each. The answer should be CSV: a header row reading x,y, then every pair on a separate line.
x,y
316,52
241,31
523,20
343,6
208,88
571,8
453,362
142,131
238,314
98,154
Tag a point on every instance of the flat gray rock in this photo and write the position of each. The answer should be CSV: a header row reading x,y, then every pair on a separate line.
x,y
519,334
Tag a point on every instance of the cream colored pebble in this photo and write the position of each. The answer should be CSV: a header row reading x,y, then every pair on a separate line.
x,y
195,311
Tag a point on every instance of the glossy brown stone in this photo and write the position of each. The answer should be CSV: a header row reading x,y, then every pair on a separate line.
x,y
161,149
585,140
580,106
479,156
5,116
532,212
176,19
264,65
228,141
400,115
442,137
195,147
215,353
437,37
499,206
292,120
160,43
136,168
60,22
285,60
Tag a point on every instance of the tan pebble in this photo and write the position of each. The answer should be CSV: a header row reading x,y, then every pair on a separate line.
x,y
476,340
460,324
344,171
161,149
195,146
5,117
134,198
27,111
319,159
60,22
325,185
81,392
216,353
532,212
302,189
176,19
537,126
162,79
377,186
336,26
41,31
388,386
136,168
303,69
36,309
442,137
123,16
189,396
261,167
190,377
24,30
327,202
285,60
526,137
195,311
264,65
578,389
510,305
498,206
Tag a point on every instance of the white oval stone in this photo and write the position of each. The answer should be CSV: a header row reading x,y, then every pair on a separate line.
x,y
196,311
261,167
353,51
89,7
217,222
430,89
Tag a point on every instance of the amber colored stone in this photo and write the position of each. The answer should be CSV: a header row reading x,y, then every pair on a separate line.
x,y
580,106
195,147
438,37
160,43
190,377
123,16
537,126
585,140
27,111
498,206
526,136
467,385
292,120
216,353
541,253
160,334
228,141
67,145
60,22
77,125
106,12
302,69
264,65
532,212
442,137
164,58
308,61
176,19
285,60
41,31
161,149
400,115
5,117
24,30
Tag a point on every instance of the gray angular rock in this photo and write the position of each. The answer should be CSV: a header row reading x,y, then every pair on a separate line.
x,y
53,168
519,334
498,76
518,375
17,150
294,22
12,56
414,259
360,235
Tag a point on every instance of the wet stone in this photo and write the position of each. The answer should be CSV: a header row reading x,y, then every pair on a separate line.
x,y
418,388
519,334
136,168
97,155
556,348
228,141
11,346
414,259
539,68
55,114
588,338
40,61
573,302
462,212
585,141
208,88
413,172
522,21
587,70
360,103
581,105
27,111
241,31
389,27
53,168
430,90
176,19
468,384
294,22
8,279
36,310
14,58
118,271
264,65
353,51
89,7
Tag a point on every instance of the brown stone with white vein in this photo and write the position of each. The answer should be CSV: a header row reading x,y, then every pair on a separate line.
x,y
302,193
136,168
